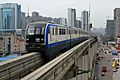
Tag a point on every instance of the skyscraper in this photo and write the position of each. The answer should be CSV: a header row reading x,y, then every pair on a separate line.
x,y
71,17
84,20
110,27
117,22
10,16
23,21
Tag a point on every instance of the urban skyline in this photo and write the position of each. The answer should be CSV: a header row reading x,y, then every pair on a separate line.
x,y
60,10
59,39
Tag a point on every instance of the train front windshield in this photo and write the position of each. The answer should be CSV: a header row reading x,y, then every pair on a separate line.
x,y
35,33
31,30
36,29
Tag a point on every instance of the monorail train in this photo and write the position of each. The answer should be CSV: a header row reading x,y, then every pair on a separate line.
x,y
50,39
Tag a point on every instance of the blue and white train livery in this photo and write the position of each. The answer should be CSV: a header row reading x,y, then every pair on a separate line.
x,y
50,39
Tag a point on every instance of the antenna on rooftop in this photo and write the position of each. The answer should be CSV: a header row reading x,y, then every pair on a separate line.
x,y
28,12
89,11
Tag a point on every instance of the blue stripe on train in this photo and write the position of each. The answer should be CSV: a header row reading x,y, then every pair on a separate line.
x,y
61,42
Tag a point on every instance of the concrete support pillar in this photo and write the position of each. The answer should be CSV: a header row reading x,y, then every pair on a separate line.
x,y
83,66
84,62
80,67
86,67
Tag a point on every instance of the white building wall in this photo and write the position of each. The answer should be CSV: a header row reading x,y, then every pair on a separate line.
x,y
71,17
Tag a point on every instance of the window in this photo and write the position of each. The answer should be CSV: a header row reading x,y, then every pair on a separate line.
x,y
53,31
59,31
37,31
31,30
75,31
63,31
56,31
69,31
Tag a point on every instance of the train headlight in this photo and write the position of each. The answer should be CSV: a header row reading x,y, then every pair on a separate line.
x,y
37,39
27,39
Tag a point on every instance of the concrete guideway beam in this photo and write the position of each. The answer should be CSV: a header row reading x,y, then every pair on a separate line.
x,y
14,68
57,68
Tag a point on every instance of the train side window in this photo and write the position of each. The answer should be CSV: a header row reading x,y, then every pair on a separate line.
x,y
63,31
53,30
69,31
56,31
60,31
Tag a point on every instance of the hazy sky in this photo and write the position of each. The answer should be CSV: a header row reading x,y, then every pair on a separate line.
x,y
100,9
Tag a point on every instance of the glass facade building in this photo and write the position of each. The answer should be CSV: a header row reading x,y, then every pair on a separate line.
x,y
10,16
84,20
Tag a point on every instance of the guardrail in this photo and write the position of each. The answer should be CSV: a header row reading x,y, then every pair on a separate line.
x,y
57,68
15,68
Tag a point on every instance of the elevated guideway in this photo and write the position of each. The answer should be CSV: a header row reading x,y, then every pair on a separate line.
x,y
57,68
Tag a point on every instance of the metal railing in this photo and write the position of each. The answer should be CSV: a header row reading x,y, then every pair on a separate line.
x,y
14,68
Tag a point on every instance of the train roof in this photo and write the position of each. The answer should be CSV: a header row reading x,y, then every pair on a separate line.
x,y
53,24
38,23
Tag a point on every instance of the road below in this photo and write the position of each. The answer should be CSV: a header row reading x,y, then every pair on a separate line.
x,y
105,60
116,75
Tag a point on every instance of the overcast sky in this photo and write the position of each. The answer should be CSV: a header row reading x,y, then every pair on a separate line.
x,y
100,9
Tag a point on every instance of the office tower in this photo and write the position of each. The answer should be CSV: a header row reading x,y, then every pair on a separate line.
x,y
110,28
23,21
71,17
117,22
10,16
84,20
